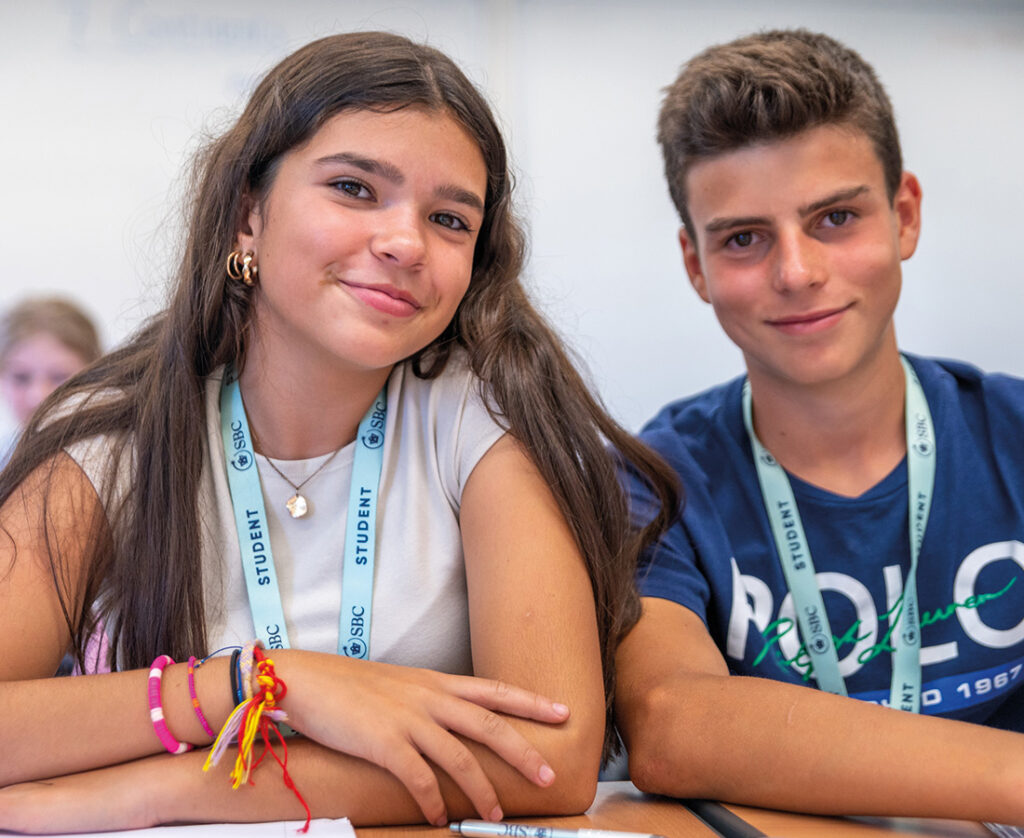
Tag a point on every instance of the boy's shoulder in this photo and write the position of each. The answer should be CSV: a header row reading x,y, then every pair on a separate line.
x,y
707,426
943,378
975,410
700,433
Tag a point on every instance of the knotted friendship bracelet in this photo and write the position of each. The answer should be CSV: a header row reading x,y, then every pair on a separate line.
x,y
256,715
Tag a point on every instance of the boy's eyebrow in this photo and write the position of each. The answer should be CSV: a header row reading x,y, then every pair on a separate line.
x,y
834,198
392,173
717,225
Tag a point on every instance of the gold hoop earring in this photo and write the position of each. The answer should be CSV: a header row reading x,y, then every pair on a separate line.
x,y
243,267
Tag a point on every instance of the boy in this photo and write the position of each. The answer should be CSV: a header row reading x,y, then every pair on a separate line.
x,y
854,518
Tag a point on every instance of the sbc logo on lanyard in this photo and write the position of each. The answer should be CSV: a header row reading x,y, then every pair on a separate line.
x,y
354,647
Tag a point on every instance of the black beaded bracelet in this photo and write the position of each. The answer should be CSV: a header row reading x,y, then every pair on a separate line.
x,y
236,687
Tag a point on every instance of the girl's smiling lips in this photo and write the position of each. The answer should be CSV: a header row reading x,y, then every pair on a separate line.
x,y
384,298
809,322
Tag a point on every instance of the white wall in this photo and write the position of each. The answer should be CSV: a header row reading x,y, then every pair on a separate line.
x,y
102,101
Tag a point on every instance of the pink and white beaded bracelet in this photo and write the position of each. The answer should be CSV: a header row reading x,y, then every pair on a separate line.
x,y
156,710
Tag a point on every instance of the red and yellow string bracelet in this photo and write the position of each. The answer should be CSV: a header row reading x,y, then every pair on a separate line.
x,y
257,716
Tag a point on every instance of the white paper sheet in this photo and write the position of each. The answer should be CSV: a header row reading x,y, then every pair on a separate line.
x,y
318,828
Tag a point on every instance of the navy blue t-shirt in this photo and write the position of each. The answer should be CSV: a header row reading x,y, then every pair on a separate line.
x,y
719,559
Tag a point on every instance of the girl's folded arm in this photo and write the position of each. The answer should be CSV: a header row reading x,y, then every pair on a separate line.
x,y
533,624
532,620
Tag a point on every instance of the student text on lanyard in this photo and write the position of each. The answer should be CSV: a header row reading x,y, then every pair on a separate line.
x,y
254,535
798,568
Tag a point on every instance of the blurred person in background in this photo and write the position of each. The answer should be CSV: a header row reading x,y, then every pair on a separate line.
x,y
43,342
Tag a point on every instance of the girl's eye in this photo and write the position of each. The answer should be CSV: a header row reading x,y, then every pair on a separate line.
x,y
452,222
352,188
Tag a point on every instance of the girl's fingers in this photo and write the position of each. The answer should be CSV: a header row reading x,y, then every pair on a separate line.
x,y
419,779
490,729
459,763
413,723
506,698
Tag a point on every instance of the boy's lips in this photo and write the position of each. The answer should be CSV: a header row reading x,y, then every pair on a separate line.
x,y
808,322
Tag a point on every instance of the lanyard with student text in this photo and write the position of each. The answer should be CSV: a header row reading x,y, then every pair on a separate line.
x,y
798,568
254,536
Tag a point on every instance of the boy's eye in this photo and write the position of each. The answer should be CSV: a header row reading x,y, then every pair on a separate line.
x,y
837,218
742,239
452,222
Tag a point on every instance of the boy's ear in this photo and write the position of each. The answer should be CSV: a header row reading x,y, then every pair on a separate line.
x,y
907,206
691,261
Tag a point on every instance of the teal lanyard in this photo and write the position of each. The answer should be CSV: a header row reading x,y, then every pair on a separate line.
x,y
254,535
798,568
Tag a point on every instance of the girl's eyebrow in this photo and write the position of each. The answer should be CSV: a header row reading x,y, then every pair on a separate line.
x,y
391,173
451,192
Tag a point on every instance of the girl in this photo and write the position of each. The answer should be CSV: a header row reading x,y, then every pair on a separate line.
x,y
349,429
43,342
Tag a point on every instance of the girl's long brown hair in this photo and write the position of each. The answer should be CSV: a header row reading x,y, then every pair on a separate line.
x,y
144,580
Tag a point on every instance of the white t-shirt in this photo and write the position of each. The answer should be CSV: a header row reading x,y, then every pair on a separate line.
x,y
437,431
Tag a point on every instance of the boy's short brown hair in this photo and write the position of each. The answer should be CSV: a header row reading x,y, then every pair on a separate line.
x,y
767,87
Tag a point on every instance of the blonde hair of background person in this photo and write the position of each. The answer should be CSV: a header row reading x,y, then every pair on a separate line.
x,y
365,194
783,160
43,342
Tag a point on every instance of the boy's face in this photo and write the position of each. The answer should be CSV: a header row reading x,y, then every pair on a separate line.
x,y
798,249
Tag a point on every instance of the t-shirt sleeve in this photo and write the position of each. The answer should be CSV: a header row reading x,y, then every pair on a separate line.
x,y
463,428
671,568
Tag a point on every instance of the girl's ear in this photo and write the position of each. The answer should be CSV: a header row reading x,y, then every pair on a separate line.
x,y
691,261
250,223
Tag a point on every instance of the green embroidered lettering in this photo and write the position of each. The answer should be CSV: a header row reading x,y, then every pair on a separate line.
x,y
778,629
939,614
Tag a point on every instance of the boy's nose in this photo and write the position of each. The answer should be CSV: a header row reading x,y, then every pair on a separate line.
x,y
799,262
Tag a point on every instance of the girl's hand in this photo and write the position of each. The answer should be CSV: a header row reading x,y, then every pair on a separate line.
x,y
400,717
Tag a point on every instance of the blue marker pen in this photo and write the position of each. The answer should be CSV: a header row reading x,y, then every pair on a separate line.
x,y
487,829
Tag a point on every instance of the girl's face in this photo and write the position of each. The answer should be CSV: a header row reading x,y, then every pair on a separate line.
x,y
33,368
365,240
